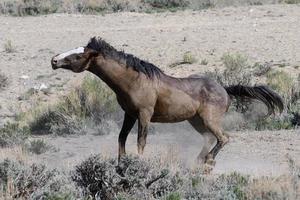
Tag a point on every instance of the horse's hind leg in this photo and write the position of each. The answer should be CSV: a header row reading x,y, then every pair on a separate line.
x,y
212,121
144,121
208,138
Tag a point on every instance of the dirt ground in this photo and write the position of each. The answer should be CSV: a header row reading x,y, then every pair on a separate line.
x,y
263,33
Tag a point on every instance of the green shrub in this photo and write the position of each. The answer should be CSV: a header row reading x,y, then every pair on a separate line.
x,y
135,179
286,86
52,121
173,196
132,177
12,134
9,47
29,7
93,99
167,4
237,71
35,181
92,102
291,1
38,146
188,58
3,81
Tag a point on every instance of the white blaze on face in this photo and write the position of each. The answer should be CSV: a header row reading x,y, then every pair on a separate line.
x,y
73,51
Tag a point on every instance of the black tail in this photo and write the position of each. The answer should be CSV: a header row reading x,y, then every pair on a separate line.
x,y
272,100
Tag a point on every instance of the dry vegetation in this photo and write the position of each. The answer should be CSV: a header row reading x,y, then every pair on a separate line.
x,y
83,109
36,7
81,106
134,178
92,106
238,71
99,177
3,81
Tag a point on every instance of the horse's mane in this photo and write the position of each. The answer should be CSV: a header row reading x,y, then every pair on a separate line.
x,y
98,44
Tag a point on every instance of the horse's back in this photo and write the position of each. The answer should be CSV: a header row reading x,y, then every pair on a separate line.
x,y
181,99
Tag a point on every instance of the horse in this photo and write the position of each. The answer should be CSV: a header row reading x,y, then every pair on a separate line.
x,y
147,94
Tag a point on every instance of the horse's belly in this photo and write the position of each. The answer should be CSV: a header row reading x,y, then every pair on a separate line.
x,y
175,109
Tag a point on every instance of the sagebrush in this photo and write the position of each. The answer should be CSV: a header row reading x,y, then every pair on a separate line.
x,y
91,103
238,71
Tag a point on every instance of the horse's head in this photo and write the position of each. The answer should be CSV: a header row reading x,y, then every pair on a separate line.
x,y
77,60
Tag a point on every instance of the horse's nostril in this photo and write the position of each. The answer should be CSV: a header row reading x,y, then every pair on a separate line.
x,y
54,61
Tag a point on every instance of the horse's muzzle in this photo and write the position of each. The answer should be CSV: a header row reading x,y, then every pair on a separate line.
x,y
54,63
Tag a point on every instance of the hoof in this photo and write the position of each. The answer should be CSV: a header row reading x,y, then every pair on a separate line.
x,y
211,162
207,169
140,152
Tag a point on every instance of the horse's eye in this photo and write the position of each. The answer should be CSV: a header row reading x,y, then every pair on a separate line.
x,y
78,57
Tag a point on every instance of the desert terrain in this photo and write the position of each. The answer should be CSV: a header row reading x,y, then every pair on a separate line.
x,y
265,34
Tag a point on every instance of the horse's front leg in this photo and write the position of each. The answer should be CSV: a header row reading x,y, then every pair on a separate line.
x,y
144,121
126,128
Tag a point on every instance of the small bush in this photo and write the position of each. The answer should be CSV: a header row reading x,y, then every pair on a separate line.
x,y
3,81
50,121
292,1
90,102
137,179
167,4
105,179
29,7
12,134
38,146
189,58
283,83
261,69
173,196
20,181
289,89
236,72
9,47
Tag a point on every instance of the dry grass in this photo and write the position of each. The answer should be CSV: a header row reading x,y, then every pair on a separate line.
x,y
91,103
9,47
3,81
35,7
37,146
21,181
291,1
236,70
287,86
187,58
12,134
135,178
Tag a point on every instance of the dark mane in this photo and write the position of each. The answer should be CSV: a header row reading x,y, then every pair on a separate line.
x,y
98,44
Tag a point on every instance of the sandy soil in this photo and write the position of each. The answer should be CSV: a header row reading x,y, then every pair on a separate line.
x,y
263,33
255,153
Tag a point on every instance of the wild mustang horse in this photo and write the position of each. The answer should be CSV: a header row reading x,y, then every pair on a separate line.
x,y
147,94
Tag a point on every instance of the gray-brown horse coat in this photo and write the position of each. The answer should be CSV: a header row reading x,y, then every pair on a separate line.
x,y
146,94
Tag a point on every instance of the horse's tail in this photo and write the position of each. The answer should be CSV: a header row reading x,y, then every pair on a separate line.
x,y
262,93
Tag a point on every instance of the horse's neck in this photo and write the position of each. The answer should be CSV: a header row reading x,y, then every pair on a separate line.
x,y
114,74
